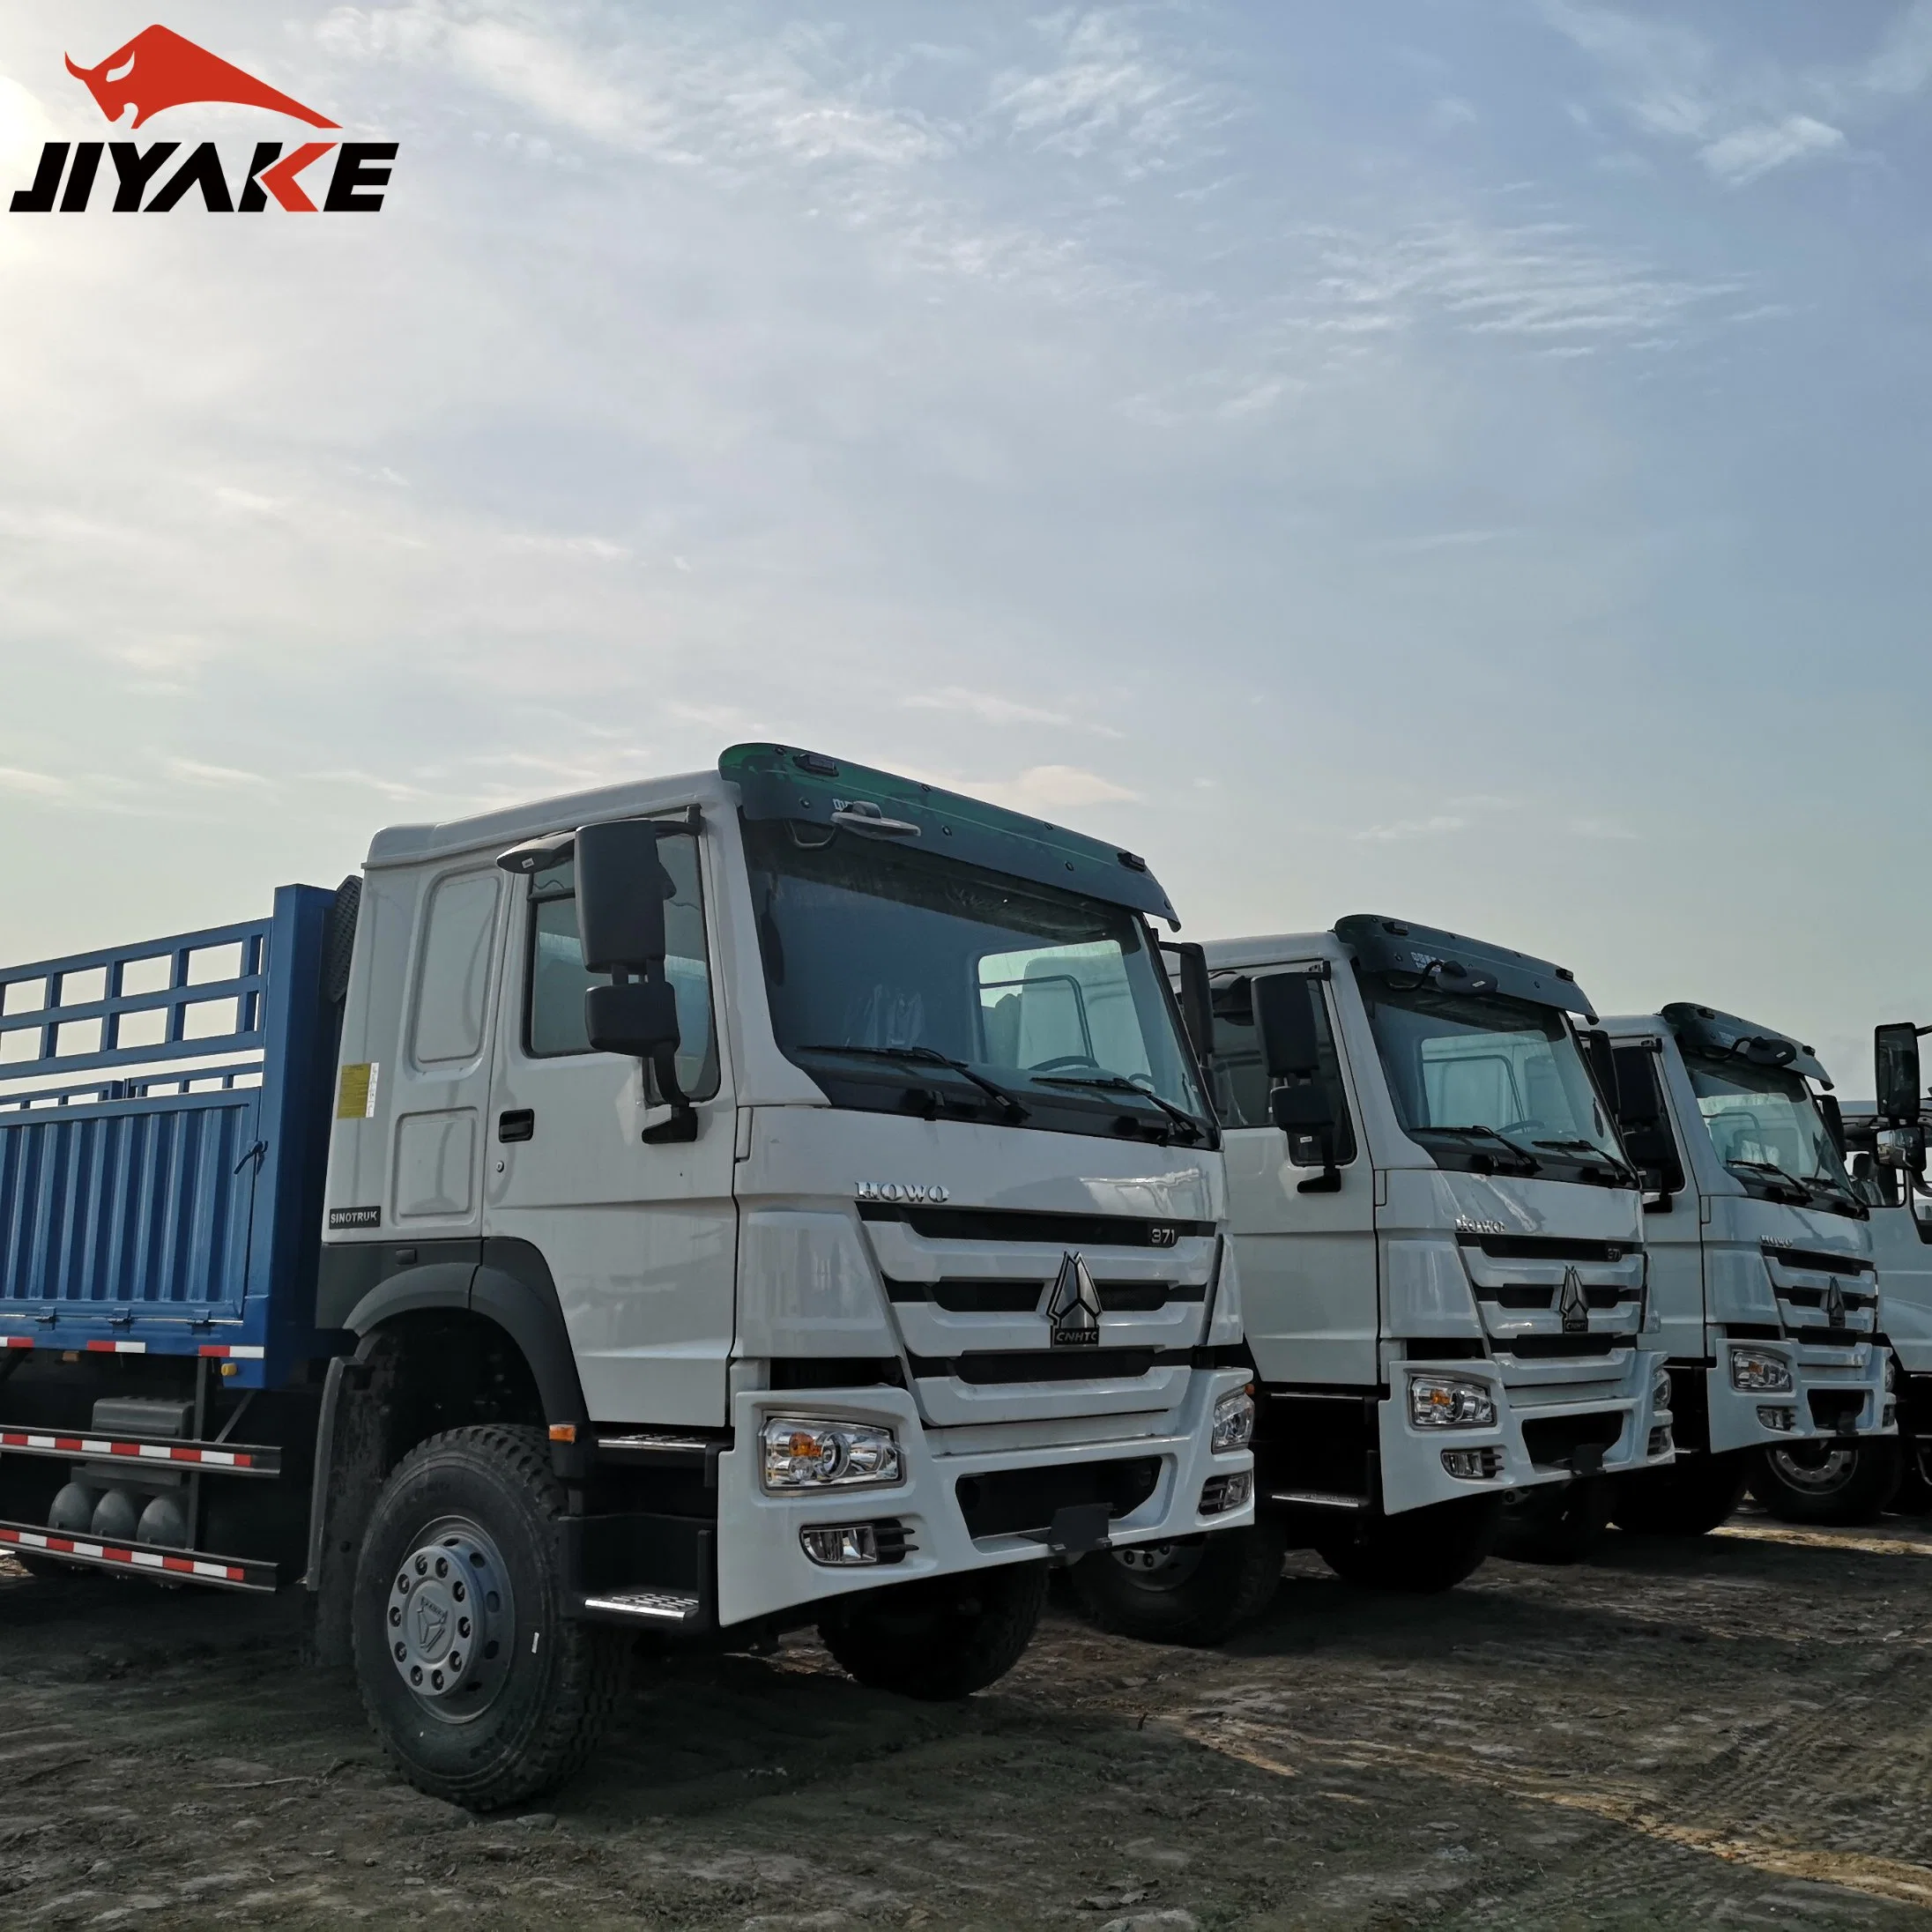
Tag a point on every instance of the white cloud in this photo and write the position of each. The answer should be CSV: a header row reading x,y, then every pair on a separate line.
x,y
192,771
34,784
986,706
1047,789
1434,825
1747,152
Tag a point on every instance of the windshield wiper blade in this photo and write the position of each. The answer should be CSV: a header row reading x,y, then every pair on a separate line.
x,y
1118,1083
1771,1168
1531,1164
1010,1104
1581,1146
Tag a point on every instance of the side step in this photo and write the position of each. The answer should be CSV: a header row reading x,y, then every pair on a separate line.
x,y
216,1457
659,1608
143,1559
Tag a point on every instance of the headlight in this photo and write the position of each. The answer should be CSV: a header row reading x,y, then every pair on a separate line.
x,y
1234,1422
1440,1401
1758,1373
1892,1375
803,1454
1659,1390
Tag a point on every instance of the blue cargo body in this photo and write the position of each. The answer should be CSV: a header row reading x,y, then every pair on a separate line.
x,y
162,1140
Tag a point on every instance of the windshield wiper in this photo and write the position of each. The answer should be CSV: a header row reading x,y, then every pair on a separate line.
x,y
1791,1181
1010,1104
1118,1083
1590,1147
1531,1164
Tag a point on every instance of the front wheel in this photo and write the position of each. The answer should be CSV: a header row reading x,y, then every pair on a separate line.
x,y
1420,1551
942,1637
1191,1590
479,1687
1690,1498
1828,1480
1554,1522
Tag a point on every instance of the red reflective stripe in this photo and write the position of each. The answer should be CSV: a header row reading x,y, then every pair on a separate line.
x,y
100,1348
19,1341
212,1348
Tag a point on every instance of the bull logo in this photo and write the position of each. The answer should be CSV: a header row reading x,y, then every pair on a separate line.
x,y
1573,1305
1072,1308
158,69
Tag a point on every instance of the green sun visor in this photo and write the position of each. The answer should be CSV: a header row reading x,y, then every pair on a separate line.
x,y
1704,1029
782,782
1456,964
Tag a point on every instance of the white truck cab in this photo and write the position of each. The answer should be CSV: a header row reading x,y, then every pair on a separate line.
x,y
1762,1273
1442,1259
820,1159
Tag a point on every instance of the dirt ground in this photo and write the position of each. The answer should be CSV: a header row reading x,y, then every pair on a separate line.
x,y
1736,1731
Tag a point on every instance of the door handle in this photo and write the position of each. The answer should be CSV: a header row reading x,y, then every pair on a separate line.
x,y
516,1124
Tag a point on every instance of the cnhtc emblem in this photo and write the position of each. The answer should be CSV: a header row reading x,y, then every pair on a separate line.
x,y
1573,1305
1072,1308
1834,1305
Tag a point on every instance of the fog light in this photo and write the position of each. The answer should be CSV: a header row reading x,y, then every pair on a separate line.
x,y
1783,1420
803,1454
1660,1444
1473,1465
1891,1415
1222,1493
1759,1373
841,1544
1440,1401
1234,1422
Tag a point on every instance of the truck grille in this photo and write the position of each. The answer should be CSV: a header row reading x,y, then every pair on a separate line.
x,y
1014,1224
960,1296
990,1367
1835,1409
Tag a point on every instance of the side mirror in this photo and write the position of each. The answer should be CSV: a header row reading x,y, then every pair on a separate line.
x,y
1196,995
1284,1016
637,1017
1635,1091
1896,1075
1834,1121
1902,1147
622,889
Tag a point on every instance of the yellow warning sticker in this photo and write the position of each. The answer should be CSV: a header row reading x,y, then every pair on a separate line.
x,y
355,1096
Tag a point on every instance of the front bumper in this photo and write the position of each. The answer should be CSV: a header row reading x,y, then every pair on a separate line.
x,y
1835,1392
1540,1434
762,1567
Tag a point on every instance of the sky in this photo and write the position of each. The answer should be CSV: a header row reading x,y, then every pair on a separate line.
x,y
1462,459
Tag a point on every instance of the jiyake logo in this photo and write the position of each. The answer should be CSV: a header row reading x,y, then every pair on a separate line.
x,y
157,70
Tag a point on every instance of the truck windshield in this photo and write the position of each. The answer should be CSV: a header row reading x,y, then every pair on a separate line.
x,y
901,979
1490,1083
1767,1130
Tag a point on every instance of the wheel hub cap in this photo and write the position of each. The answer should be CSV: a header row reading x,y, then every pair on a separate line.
x,y
450,1619
1817,1469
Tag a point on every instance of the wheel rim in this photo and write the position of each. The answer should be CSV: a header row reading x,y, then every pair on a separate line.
x,y
450,1618
1161,1566
1817,1469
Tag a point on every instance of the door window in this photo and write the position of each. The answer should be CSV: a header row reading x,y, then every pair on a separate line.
x,y
557,981
1239,1079
453,982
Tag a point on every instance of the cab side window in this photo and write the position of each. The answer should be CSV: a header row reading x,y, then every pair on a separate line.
x,y
1239,1079
1650,1143
555,981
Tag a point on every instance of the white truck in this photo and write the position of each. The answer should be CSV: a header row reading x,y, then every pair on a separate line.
x,y
1885,1142
1761,1263
775,1196
1443,1267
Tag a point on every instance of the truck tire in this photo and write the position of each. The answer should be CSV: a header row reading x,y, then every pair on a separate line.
x,y
480,1688
1192,1590
1690,1498
1420,1551
1828,1481
1554,1522
1914,1494
942,1637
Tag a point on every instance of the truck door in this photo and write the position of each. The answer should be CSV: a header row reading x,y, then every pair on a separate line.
x,y
1308,1270
1673,1216
640,1238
